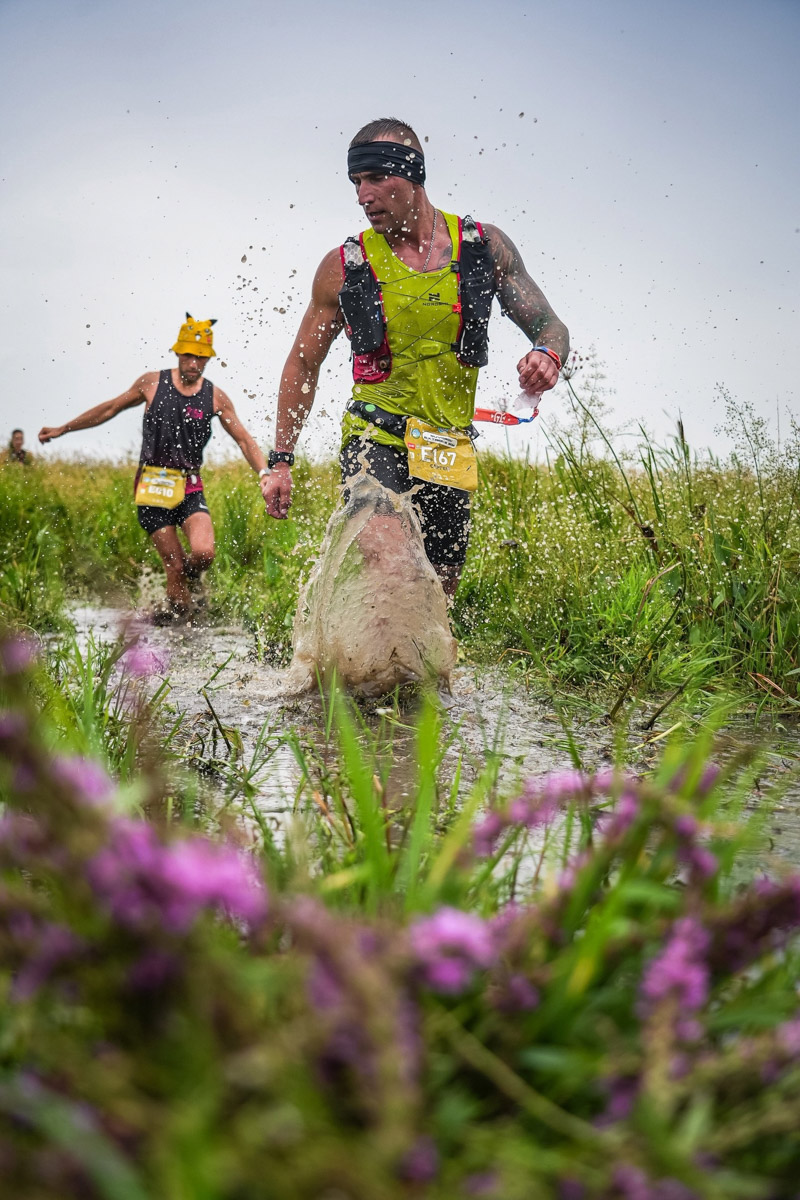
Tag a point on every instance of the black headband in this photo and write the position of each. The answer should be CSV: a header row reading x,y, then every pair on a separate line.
x,y
390,158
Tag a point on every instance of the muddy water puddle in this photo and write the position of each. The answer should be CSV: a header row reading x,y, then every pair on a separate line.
x,y
237,719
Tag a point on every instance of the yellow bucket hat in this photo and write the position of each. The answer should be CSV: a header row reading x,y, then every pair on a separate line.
x,y
196,337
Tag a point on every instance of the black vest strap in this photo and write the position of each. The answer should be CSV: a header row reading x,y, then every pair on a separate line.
x,y
361,300
362,304
475,293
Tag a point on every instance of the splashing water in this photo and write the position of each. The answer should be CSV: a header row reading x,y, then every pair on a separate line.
x,y
373,609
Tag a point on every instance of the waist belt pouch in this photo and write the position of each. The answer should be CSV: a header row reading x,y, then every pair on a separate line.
x,y
392,423
475,293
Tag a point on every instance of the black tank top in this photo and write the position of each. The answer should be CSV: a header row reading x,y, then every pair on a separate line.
x,y
176,427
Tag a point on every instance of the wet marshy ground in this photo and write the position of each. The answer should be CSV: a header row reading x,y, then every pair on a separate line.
x,y
240,726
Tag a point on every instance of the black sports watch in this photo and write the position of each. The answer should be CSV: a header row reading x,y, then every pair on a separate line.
x,y
276,456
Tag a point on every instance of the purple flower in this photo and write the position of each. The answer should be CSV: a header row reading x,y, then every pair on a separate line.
x,y
624,813
680,971
484,1183
449,947
12,726
789,1037
421,1163
49,946
324,989
17,653
206,874
141,660
686,826
702,862
762,919
153,970
515,994
622,1094
147,882
85,777
486,833
705,783
571,1189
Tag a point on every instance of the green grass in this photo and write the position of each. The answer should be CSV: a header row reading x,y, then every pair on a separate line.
x,y
652,572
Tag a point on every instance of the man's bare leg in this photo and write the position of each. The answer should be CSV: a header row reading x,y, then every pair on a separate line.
x,y
449,576
200,534
167,543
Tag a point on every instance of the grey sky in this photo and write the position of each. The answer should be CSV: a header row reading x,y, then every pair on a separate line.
x,y
644,158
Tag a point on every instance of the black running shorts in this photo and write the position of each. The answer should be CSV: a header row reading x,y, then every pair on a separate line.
x,y
152,518
443,511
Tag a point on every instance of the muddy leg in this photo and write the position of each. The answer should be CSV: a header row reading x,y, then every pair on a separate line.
x,y
168,545
200,534
449,576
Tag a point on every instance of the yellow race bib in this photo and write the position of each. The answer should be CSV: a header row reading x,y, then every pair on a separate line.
x,y
445,456
161,487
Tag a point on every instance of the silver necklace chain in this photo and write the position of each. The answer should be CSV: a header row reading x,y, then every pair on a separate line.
x,y
430,247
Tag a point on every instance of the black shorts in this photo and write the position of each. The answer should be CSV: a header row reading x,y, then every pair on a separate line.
x,y
443,511
152,518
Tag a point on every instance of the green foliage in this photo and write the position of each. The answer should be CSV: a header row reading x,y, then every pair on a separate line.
x,y
168,1028
655,570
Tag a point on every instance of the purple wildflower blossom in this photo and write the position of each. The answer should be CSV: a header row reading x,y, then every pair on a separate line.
x,y
538,803
85,777
324,989
708,778
153,970
17,653
12,726
484,1183
680,970
571,1189
421,1163
622,1093
686,826
487,832
762,919
449,947
141,660
789,1037
49,946
632,1183
703,862
515,994
147,882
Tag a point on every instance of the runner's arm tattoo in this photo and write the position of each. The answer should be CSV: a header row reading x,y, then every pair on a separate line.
x,y
522,299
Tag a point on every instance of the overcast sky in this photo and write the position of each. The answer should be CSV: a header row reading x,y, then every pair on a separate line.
x,y
643,157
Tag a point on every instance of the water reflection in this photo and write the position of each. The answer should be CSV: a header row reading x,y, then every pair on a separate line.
x,y
285,743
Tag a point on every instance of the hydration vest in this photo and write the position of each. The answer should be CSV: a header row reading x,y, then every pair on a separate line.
x,y
362,304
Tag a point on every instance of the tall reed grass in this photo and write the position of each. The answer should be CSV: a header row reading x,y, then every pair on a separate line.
x,y
660,569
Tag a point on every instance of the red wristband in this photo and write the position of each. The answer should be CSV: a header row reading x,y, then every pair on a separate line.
x,y
550,354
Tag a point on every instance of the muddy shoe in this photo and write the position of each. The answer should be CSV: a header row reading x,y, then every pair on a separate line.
x,y
170,614
197,590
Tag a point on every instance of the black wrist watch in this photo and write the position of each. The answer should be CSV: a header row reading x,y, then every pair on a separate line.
x,y
276,456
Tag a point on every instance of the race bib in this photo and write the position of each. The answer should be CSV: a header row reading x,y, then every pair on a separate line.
x,y
161,487
445,456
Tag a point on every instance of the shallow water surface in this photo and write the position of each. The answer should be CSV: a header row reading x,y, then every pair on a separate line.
x,y
229,698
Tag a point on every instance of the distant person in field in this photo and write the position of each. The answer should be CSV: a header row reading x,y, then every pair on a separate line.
x,y
179,408
16,452
413,294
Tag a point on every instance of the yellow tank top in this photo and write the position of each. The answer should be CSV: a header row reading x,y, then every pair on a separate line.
x,y
422,324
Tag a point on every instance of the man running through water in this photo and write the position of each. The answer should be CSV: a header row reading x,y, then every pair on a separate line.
x,y
413,294
179,408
